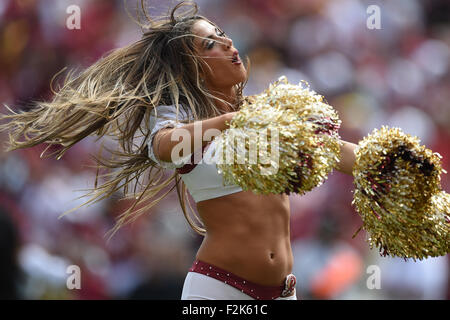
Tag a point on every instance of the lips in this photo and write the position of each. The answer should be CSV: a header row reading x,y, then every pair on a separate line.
x,y
235,59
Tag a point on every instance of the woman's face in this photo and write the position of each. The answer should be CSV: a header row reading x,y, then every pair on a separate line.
x,y
224,67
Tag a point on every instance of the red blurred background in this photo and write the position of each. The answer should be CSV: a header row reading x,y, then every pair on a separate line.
x,y
397,75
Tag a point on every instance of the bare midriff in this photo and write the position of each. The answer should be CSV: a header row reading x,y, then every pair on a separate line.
x,y
248,235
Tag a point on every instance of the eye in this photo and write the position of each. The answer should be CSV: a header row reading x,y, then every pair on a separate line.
x,y
210,44
220,33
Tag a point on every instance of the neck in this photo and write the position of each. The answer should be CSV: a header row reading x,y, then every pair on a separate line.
x,y
228,95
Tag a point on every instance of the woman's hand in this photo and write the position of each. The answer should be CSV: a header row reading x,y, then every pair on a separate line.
x,y
347,157
227,117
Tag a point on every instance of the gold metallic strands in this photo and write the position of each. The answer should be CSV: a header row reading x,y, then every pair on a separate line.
x,y
398,195
285,141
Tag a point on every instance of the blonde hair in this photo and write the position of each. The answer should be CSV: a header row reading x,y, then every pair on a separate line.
x,y
112,97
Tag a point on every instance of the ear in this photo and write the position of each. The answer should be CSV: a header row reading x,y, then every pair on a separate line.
x,y
201,71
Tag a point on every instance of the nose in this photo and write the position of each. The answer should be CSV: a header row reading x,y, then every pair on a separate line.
x,y
227,42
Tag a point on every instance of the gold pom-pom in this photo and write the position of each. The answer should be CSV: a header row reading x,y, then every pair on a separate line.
x,y
398,196
285,141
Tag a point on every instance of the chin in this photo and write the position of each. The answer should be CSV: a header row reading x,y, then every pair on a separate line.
x,y
242,77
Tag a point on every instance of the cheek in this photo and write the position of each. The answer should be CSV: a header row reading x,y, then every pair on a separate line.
x,y
218,71
221,72
215,61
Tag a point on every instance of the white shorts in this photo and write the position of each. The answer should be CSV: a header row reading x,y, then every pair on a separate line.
x,y
201,287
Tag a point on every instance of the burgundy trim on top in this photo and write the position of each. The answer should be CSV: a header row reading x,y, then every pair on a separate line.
x,y
190,166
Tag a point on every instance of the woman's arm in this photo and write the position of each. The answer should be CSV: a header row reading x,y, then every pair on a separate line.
x,y
347,157
163,144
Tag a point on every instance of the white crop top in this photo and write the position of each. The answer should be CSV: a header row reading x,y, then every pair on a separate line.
x,y
202,179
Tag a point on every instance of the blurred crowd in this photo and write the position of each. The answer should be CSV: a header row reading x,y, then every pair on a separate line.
x,y
397,75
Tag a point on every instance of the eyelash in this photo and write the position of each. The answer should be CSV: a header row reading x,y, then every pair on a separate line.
x,y
212,43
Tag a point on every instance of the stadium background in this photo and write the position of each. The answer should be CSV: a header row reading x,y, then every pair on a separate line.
x,y
397,75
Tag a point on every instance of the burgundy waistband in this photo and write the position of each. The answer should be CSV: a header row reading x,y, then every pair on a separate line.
x,y
254,290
